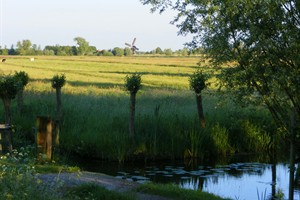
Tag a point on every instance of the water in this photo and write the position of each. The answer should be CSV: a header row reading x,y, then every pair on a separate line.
x,y
236,180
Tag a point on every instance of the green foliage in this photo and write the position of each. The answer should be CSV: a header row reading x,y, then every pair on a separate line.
x,y
254,137
17,178
257,41
9,86
83,46
118,51
107,53
196,143
198,81
168,52
158,50
127,51
58,81
220,139
22,77
133,82
23,47
60,50
3,51
246,136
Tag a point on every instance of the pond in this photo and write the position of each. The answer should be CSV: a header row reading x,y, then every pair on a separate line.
x,y
234,180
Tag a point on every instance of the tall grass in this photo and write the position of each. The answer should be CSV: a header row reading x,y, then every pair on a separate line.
x,y
96,110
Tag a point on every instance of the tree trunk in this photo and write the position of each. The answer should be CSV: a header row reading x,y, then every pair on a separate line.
x,y
274,177
292,155
200,110
292,171
57,123
58,104
132,114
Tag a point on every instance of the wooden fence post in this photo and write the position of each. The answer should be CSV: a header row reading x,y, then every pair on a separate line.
x,y
44,127
5,139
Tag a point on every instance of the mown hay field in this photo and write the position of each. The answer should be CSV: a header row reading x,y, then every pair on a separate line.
x,y
104,72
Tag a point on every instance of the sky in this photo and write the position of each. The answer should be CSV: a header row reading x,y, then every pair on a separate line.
x,y
103,23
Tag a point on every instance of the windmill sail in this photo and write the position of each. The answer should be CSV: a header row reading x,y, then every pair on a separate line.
x,y
132,46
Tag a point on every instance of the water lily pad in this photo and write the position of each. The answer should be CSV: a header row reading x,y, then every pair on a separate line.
x,y
151,174
123,173
185,177
180,172
139,178
196,173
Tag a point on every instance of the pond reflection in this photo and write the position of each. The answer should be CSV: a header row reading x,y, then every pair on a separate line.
x,y
236,180
244,183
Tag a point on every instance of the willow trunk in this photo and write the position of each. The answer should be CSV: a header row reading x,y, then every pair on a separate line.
x,y
200,110
132,114
58,119
292,154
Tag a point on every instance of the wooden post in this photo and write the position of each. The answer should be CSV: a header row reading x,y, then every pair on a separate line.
x,y
5,139
44,128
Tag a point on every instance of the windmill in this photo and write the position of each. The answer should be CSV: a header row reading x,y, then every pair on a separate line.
x,y
132,46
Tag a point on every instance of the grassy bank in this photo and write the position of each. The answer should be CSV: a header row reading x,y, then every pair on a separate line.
x,y
174,192
96,109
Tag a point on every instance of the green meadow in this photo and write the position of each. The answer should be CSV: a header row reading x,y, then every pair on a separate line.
x,y
96,109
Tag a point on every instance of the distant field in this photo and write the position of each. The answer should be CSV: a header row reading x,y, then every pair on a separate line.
x,y
102,73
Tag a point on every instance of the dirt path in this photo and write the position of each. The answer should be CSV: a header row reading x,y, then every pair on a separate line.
x,y
108,182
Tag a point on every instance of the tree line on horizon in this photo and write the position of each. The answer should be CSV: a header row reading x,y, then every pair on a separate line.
x,y
82,47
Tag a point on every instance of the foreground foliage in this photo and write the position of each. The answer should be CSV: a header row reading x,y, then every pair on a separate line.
x,y
17,178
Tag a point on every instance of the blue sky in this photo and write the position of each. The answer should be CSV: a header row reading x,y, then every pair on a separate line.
x,y
103,23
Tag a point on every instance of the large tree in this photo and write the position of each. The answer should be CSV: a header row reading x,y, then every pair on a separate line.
x,y
24,47
117,51
258,42
83,46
